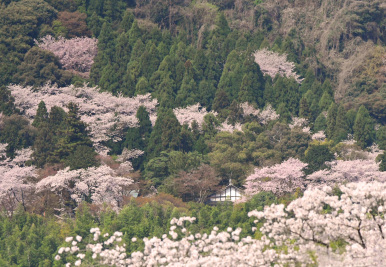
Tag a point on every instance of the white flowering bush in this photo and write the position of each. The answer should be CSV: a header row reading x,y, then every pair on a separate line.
x,y
303,233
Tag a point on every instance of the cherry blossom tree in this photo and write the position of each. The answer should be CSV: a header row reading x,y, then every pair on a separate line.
x,y
301,234
227,127
321,217
178,247
95,184
343,171
15,178
76,54
264,116
272,63
191,113
298,122
281,178
320,136
106,115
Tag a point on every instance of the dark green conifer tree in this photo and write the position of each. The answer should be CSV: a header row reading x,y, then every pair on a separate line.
x,y
135,33
382,165
331,120
7,106
325,101
43,146
142,86
200,64
381,137
122,51
326,87
231,77
308,81
186,139
364,132
246,91
316,156
206,93
74,133
149,60
41,115
145,126
305,110
350,119
221,100
320,123
165,134
235,113
187,93
341,127
253,83
127,21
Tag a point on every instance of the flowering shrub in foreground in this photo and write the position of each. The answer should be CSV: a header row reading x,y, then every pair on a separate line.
x,y
302,233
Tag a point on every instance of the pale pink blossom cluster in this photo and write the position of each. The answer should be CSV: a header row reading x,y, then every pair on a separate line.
x,y
182,248
106,115
191,113
342,171
227,127
281,178
15,175
76,54
320,136
301,234
320,217
298,122
264,116
289,176
98,184
350,140
273,63
128,154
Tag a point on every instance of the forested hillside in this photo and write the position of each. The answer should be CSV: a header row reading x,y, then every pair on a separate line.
x,y
103,99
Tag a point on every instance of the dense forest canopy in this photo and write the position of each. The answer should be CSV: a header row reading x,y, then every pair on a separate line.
x,y
103,99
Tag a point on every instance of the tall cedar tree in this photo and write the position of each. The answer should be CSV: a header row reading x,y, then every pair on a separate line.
x,y
331,120
165,134
41,115
73,134
341,127
364,132
7,102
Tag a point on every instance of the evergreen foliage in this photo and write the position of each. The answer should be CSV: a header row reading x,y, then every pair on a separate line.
x,y
364,132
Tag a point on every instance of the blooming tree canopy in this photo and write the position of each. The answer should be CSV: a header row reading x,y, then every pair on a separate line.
x,y
303,233
342,171
96,184
191,113
273,63
281,178
106,115
264,116
76,54
15,177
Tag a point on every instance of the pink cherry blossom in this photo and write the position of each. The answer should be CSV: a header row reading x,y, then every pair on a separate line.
x,y
76,54
272,63
281,178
